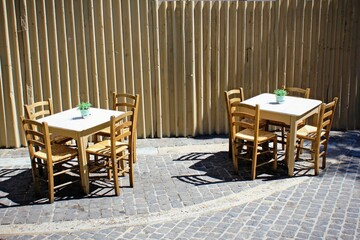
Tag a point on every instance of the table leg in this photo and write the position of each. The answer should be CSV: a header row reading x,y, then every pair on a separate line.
x,y
84,174
292,141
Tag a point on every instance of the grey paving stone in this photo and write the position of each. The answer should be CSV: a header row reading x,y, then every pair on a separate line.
x,y
325,207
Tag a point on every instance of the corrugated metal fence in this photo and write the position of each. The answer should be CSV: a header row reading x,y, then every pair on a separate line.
x,y
178,55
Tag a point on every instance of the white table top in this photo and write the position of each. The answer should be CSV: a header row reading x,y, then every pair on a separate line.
x,y
293,106
71,119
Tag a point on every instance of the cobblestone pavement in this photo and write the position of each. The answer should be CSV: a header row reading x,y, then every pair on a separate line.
x,y
185,189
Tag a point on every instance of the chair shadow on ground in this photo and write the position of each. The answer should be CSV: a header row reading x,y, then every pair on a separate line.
x,y
217,167
17,189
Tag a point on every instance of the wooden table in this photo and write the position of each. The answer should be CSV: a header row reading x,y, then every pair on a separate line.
x,y
291,112
70,123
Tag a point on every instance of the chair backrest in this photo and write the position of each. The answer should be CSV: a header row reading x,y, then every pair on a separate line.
x,y
39,109
298,92
326,117
127,102
122,129
232,97
37,137
244,116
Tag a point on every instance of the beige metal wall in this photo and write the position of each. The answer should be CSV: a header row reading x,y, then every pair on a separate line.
x,y
179,56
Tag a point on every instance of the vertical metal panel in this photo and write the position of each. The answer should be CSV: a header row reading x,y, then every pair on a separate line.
x,y
249,48
81,50
92,55
54,56
101,54
26,52
215,67
241,51
8,81
128,46
138,63
354,71
258,50
224,65
44,52
163,41
18,82
63,55
199,65
265,46
208,122
72,53
190,90
299,44
3,136
146,61
290,42
109,50
180,56
34,51
156,69
233,13
304,74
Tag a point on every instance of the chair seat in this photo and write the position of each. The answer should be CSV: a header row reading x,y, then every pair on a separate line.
x,y
308,132
262,122
248,135
278,123
55,138
104,132
103,148
59,153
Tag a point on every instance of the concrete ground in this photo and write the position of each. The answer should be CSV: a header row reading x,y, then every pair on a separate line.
x,y
185,188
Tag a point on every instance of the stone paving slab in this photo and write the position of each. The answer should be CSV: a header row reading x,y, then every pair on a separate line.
x,y
193,194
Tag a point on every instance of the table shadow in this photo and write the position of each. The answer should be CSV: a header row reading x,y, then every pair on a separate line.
x,y
218,167
17,189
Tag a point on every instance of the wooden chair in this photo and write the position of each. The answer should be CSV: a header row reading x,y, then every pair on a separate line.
x,y
45,155
124,102
251,136
318,135
292,91
118,149
42,109
232,97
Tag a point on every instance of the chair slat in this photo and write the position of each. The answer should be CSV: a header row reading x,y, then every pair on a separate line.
x,y
248,117
320,138
118,150
45,155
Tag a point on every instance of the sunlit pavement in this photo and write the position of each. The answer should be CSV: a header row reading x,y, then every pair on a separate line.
x,y
185,188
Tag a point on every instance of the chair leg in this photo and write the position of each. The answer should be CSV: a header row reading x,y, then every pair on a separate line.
x,y
116,177
298,149
230,147
254,162
122,164
35,175
316,158
301,144
96,140
131,173
50,176
286,154
282,138
234,158
323,166
134,148
275,154
313,150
